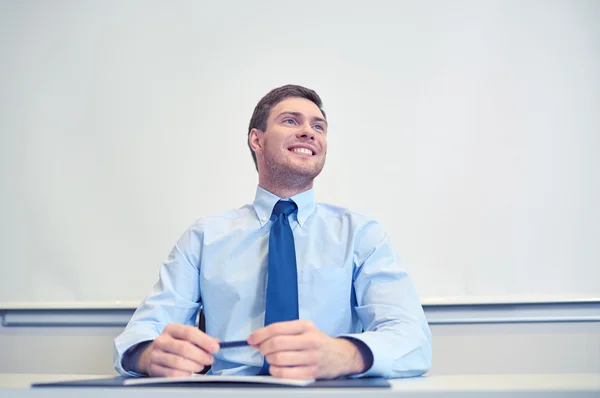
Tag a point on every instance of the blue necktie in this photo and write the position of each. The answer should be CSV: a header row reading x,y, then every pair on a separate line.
x,y
282,279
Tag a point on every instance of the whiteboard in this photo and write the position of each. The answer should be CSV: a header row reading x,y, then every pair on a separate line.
x,y
470,129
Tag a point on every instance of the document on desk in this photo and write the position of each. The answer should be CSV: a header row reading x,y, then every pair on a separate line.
x,y
200,378
211,381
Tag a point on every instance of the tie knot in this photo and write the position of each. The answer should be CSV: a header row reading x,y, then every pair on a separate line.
x,y
286,207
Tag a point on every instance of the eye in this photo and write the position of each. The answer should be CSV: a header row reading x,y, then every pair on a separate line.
x,y
289,121
318,127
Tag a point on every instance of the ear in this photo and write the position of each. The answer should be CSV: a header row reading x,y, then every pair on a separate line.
x,y
255,139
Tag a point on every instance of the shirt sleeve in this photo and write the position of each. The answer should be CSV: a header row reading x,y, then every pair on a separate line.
x,y
175,298
395,328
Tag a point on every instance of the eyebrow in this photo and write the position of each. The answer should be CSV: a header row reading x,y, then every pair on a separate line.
x,y
298,114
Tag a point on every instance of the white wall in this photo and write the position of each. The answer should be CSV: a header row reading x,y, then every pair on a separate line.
x,y
469,128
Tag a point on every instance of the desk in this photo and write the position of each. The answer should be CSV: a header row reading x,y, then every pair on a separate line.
x,y
517,385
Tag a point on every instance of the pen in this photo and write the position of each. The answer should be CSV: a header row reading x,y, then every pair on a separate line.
x,y
232,344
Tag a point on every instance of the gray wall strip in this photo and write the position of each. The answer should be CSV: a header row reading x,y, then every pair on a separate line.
x,y
66,318
436,315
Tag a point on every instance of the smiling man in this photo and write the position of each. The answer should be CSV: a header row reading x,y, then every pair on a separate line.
x,y
316,290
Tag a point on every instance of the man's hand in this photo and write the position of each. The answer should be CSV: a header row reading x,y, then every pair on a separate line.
x,y
298,350
179,351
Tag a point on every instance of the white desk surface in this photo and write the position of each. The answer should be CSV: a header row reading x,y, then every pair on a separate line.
x,y
521,385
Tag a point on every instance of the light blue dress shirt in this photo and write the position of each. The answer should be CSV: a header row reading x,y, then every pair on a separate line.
x,y
349,279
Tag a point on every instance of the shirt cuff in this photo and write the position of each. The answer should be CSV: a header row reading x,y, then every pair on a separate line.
x,y
363,349
130,339
132,356
380,364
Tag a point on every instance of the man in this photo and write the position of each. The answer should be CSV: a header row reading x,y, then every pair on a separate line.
x,y
316,290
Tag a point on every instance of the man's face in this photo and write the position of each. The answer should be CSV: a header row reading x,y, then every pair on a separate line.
x,y
295,143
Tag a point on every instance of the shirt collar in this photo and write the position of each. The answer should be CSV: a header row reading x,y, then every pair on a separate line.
x,y
264,201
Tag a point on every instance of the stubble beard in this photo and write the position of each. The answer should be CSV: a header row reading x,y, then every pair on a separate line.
x,y
285,173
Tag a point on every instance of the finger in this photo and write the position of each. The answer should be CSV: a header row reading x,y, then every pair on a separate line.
x,y
296,372
183,349
275,344
294,358
175,362
279,328
157,370
193,335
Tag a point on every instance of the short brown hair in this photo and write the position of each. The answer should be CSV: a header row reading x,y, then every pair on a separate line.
x,y
275,96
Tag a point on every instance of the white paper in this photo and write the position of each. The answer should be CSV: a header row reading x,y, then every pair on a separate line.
x,y
199,378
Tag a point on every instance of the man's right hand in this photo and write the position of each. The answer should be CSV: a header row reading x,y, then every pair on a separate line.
x,y
179,351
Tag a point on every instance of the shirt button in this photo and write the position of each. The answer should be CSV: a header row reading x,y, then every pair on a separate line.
x,y
301,219
264,218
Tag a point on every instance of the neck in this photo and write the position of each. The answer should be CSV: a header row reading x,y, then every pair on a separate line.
x,y
284,191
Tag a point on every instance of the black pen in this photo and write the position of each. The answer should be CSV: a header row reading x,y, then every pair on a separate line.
x,y
232,344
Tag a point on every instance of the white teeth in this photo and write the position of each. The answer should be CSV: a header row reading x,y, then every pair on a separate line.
x,y
302,150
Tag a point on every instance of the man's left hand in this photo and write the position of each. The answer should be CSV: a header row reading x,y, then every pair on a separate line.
x,y
299,350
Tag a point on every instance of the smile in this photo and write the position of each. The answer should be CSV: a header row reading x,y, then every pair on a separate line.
x,y
304,151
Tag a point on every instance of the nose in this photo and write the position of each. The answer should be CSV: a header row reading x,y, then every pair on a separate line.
x,y
306,132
